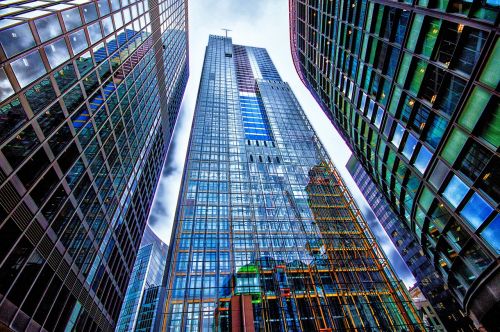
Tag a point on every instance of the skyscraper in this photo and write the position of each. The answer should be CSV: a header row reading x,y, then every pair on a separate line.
x,y
266,235
141,299
413,89
89,94
428,280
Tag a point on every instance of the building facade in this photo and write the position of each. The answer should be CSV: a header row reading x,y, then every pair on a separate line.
x,y
429,282
141,299
89,95
266,235
412,86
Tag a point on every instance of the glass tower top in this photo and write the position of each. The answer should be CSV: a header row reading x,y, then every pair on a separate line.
x,y
266,235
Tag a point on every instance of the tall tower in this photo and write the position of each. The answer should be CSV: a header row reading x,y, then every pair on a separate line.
x,y
89,94
412,86
266,235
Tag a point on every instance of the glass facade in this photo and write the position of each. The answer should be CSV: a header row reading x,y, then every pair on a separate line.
x,y
266,235
443,305
411,87
89,94
141,299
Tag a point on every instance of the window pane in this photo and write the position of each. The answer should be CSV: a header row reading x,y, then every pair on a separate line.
x,y
438,174
89,13
12,116
20,146
490,126
454,145
57,53
72,19
411,143
490,234
103,7
423,159
78,41
94,33
40,95
476,210
474,108
16,39
48,27
435,131
5,87
398,135
490,72
455,191
474,160
28,68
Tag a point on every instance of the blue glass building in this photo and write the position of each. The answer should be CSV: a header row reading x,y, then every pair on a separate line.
x,y
143,291
89,95
266,235
429,282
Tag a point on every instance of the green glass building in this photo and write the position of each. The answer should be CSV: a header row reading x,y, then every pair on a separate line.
x,y
413,87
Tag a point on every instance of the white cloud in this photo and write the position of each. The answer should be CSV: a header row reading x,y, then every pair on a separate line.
x,y
260,23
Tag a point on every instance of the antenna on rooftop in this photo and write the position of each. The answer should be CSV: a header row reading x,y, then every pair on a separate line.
x,y
226,30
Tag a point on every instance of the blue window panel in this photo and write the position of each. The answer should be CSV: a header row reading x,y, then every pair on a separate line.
x,y
490,234
423,158
455,191
475,211
95,103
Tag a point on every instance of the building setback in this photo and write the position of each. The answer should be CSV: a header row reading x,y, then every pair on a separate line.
x,y
413,89
138,312
429,283
266,235
89,95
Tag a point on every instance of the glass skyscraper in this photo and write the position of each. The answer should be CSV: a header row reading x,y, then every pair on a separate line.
x,y
138,312
89,94
266,235
412,86
428,280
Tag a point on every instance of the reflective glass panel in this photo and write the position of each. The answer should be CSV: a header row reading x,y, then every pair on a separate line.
x,y
455,191
78,41
476,210
491,232
57,53
16,39
72,19
28,69
423,158
48,27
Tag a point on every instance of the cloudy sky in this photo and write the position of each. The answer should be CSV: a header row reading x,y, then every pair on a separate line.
x,y
260,23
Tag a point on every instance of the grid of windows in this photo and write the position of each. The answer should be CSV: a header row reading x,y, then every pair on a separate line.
x,y
411,89
84,130
268,225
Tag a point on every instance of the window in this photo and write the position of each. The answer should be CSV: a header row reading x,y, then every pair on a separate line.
x,y
455,191
398,135
476,210
78,41
435,131
12,116
489,74
475,158
454,145
423,158
490,181
411,143
94,32
48,27
439,174
89,13
476,103
490,234
16,39
20,146
28,68
72,19
57,53
489,129
6,89
469,50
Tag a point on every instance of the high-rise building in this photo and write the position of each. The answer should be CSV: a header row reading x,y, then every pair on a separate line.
x,y
266,235
412,86
89,94
138,312
429,282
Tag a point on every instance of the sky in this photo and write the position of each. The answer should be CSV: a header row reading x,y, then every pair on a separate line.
x,y
260,23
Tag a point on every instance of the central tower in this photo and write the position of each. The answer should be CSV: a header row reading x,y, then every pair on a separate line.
x,y
266,235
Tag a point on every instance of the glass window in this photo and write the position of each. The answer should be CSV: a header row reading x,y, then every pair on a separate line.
x,y
490,234
378,119
78,41
439,174
89,12
103,7
428,41
94,33
436,127
469,50
490,181
454,145
12,116
455,191
107,26
423,158
489,129
5,87
50,119
20,146
115,5
476,256
476,210
48,27
72,19
411,143
475,158
476,103
118,20
426,199
489,74
418,76
16,39
449,94
398,135
40,95
57,53
28,69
